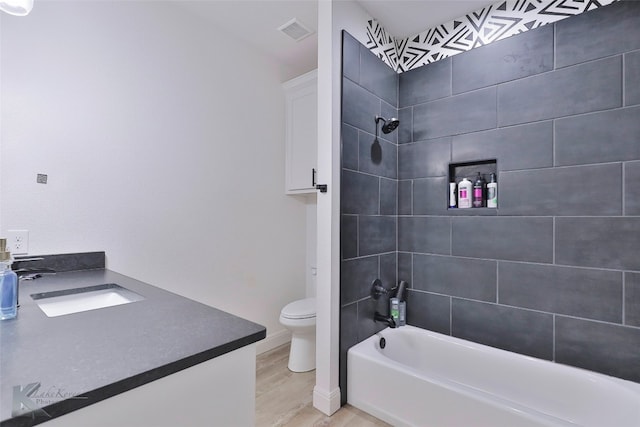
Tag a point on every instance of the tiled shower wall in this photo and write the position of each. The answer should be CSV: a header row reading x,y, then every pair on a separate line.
x,y
554,272
369,191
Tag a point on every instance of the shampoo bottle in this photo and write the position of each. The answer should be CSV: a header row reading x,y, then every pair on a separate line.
x,y
478,192
452,195
8,285
464,194
492,192
394,310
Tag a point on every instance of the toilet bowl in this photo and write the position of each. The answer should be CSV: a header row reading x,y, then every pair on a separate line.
x,y
300,318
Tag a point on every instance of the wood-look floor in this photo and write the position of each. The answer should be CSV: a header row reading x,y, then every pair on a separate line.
x,y
284,398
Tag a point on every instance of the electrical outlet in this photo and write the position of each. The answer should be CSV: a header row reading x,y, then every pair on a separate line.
x,y
18,242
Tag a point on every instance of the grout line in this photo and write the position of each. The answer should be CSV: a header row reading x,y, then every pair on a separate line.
x,y
553,51
553,339
624,297
497,282
624,98
358,236
553,242
624,190
379,196
553,143
450,237
412,284
450,315
451,77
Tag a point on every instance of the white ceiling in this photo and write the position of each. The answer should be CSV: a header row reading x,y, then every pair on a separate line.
x,y
256,22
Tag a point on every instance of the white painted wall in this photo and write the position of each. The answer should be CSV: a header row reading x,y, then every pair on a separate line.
x,y
163,140
333,17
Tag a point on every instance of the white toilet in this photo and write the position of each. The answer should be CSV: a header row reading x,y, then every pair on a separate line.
x,y
300,318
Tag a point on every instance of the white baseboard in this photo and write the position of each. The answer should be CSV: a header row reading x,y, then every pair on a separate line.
x,y
327,403
272,341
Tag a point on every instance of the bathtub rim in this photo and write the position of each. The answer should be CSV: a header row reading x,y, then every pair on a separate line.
x,y
369,349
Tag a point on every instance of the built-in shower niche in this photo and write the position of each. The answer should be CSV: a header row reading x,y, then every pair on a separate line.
x,y
469,170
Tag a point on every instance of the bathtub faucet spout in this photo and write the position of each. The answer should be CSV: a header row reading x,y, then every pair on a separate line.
x,y
388,320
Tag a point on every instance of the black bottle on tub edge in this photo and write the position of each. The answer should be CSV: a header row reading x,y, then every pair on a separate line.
x,y
478,194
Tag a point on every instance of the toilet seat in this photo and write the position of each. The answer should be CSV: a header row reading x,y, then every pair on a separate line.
x,y
301,309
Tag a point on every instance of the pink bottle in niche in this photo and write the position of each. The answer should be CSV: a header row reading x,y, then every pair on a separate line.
x,y
478,197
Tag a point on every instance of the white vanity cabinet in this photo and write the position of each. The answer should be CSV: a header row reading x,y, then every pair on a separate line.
x,y
301,136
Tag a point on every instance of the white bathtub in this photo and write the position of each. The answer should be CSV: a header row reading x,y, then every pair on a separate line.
x,y
426,379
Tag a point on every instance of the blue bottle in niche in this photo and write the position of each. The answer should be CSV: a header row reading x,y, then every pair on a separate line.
x,y
8,285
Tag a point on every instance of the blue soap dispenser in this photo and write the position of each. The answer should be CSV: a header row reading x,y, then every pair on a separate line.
x,y
8,284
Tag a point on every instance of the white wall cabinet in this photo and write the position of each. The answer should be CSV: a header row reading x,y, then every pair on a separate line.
x,y
301,136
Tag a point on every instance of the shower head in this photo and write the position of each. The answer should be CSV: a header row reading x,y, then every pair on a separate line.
x,y
391,125
388,125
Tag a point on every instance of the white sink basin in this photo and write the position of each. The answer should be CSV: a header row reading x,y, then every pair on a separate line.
x,y
59,303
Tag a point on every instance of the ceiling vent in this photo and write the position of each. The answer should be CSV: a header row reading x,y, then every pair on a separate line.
x,y
296,30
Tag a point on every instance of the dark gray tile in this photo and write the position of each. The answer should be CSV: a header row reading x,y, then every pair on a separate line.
x,y
349,236
632,298
583,38
517,147
405,129
376,234
600,347
503,238
580,89
606,136
405,267
632,78
359,106
429,311
577,190
430,196
440,118
632,189
379,158
405,197
425,83
378,77
350,57
356,277
359,193
348,329
588,293
388,197
349,147
598,242
424,159
388,269
460,277
424,234
367,308
513,329
515,57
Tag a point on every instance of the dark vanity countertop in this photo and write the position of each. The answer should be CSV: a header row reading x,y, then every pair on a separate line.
x,y
93,355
